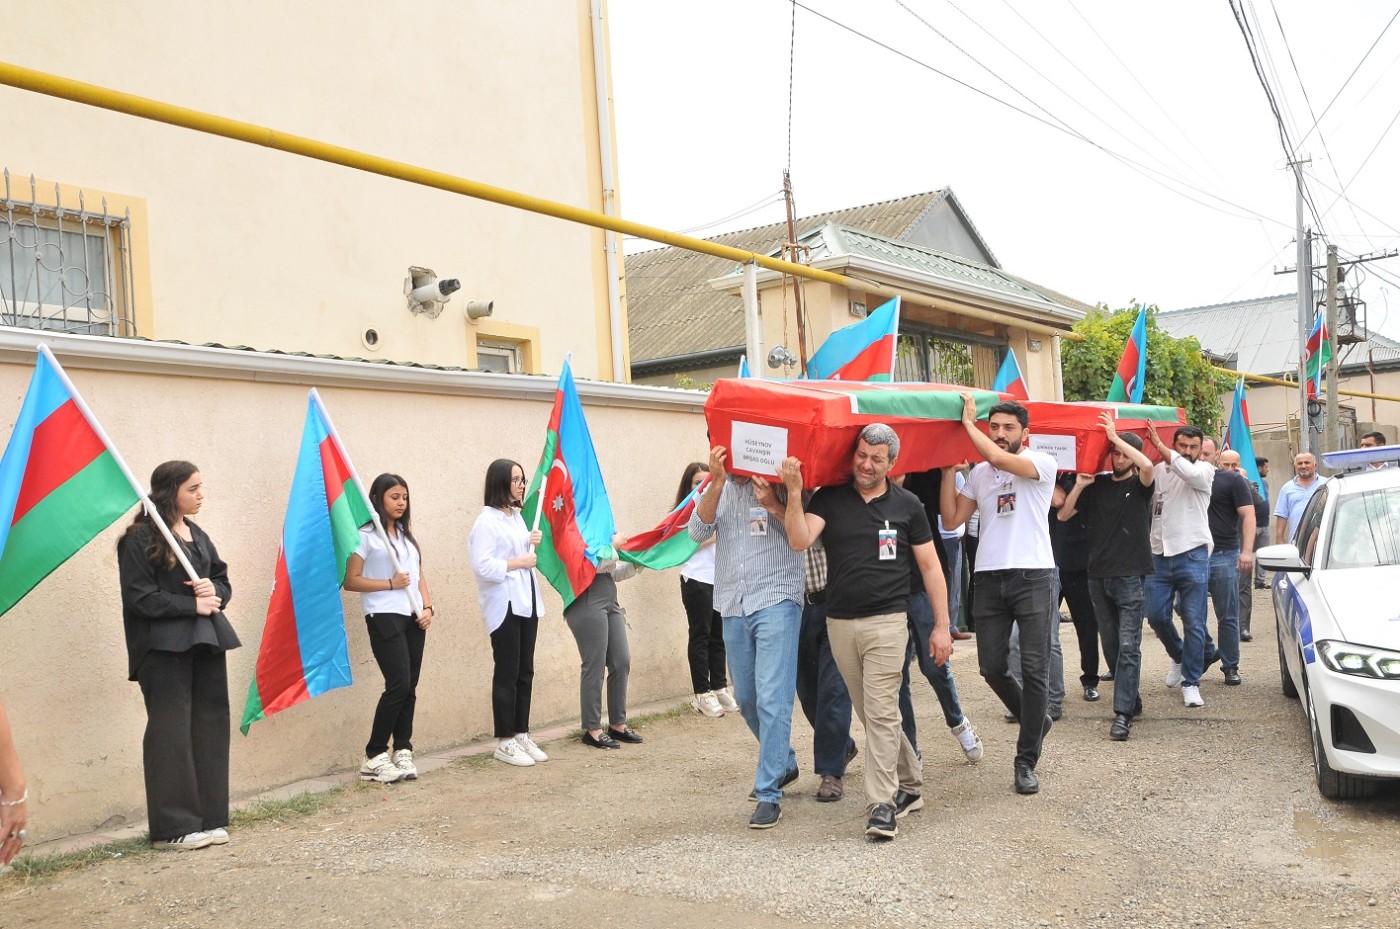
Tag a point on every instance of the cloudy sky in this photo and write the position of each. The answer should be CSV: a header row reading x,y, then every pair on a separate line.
x,y
1130,153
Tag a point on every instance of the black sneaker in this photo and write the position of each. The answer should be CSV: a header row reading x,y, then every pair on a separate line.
x,y
1122,725
882,824
765,815
906,803
1091,694
1232,676
1026,782
788,778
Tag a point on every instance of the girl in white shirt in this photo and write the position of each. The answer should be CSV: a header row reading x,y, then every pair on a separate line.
x,y
397,630
511,605
705,644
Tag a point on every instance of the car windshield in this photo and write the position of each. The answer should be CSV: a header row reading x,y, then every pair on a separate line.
x,y
1366,530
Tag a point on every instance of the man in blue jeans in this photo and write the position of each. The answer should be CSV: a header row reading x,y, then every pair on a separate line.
x,y
758,592
1231,518
1117,508
1181,546
1015,568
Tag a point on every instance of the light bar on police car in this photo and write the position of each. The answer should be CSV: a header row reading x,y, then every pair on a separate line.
x,y
1354,459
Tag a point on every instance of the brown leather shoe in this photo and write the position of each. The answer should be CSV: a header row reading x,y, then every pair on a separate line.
x,y
830,790
962,636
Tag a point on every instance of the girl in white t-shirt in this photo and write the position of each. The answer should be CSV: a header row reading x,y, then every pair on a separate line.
x,y
502,556
705,644
397,628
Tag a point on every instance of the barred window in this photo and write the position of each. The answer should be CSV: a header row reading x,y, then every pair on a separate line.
x,y
63,267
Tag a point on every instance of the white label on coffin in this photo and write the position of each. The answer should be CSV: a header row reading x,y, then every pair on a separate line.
x,y
760,449
1059,447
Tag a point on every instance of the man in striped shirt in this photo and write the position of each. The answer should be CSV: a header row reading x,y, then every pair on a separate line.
x,y
759,594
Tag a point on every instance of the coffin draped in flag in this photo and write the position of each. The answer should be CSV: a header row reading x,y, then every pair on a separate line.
x,y
1132,367
668,545
59,485
762,422
862,351
577,524
1009,380
304,651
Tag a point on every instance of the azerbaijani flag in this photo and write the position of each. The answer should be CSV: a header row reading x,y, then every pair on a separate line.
x,y
1237,436
578,520
60,485
1009,380
862,351
304,651
744,366
1318,353
668,545
1132,368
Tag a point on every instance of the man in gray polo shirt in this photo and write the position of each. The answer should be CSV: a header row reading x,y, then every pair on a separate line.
x,y
758,593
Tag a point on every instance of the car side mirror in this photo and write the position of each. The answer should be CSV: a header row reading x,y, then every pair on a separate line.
x,y
1281,558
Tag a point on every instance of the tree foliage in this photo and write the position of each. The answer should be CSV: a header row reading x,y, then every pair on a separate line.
x,y
1177,373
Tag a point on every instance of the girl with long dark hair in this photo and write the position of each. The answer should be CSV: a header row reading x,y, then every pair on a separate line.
x,y
176,640
705,646
397,629
511,606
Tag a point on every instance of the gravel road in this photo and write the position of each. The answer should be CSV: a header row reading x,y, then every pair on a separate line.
x,y
1205,817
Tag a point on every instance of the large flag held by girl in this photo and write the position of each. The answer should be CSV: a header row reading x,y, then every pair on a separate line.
x,y
60,482
668,545
304,650
567,500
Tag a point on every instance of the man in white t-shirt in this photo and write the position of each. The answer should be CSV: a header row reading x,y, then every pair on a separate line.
x,y
1015,568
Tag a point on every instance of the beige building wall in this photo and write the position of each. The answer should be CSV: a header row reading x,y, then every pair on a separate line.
x,y
241,245
238,415
1271,406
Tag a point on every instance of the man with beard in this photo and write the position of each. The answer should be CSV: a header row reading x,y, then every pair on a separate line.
x,y
1181,544
1118,510
1294,495
1015,568
875,534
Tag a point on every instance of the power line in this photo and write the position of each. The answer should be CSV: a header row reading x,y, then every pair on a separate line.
x,y
1328,107
1132,164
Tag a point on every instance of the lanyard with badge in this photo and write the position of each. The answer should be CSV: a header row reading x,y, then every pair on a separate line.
x,y
1006,494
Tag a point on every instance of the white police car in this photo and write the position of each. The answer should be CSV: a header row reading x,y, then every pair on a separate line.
x,y
1338,617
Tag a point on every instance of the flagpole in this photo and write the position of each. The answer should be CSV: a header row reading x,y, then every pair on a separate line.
x,y
414,599
136,485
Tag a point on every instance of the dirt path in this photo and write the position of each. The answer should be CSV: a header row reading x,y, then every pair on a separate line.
x,y
1204,818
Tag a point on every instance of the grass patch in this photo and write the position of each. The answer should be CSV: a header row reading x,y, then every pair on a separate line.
x,y
36,869
675,712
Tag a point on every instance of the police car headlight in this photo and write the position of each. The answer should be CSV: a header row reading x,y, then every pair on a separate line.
x,y
1360,660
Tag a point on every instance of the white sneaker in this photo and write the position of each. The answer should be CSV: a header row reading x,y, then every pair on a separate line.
x,y
1191,696
725,696
528,746
403,760
707,704
1174,675
967,738
185,843
380,768
218,836
511,753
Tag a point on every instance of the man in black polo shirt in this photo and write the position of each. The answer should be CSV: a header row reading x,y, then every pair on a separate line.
x,y
875,535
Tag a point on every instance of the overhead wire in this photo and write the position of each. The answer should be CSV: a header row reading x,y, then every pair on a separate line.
x,y
1131,163
1325,110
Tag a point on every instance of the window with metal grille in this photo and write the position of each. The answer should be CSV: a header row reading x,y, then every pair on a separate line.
x,y
64,269
936,357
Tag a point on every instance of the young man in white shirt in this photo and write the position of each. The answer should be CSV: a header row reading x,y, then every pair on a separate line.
x,y
1015,568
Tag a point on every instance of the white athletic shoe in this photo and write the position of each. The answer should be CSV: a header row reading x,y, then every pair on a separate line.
x,y
528,746
1191,696
511,753
707,704
403,760
725,696
1173,678
185,843
967,738
381,769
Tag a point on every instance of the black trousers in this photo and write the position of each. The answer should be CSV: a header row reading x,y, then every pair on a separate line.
x,y
185,751
397,642
513,649
1074,590
705,646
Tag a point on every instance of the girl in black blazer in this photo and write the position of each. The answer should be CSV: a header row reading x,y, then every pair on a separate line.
x,y
176,637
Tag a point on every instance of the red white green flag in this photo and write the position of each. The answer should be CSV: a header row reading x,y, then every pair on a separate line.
x,y
60,484
568,492
668,545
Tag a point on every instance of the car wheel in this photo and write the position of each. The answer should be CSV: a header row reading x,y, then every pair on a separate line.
x,y
1290,689
1333,784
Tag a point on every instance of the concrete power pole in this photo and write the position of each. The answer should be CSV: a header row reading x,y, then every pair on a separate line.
x,y
1305,314
1332,424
